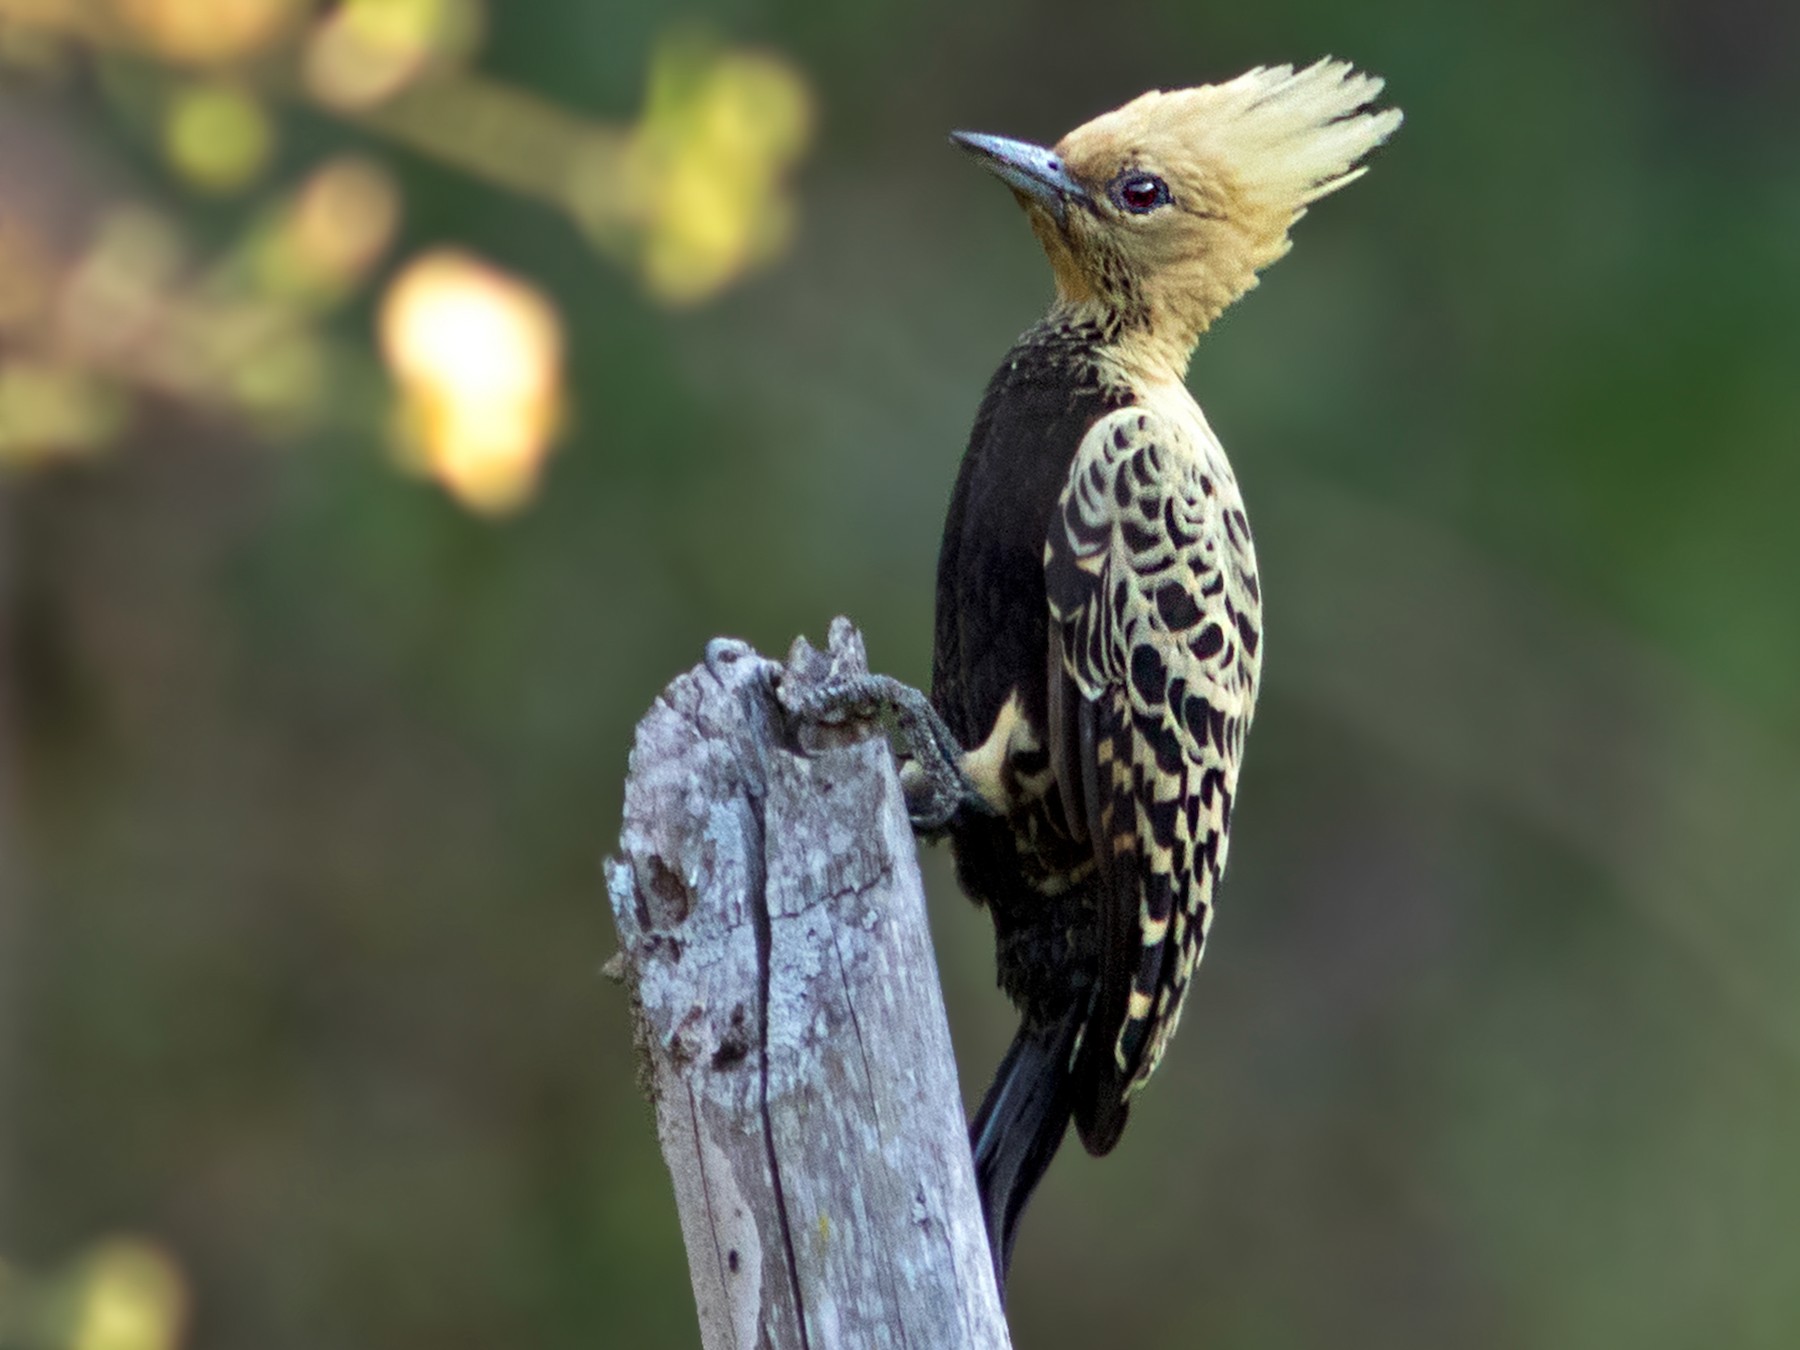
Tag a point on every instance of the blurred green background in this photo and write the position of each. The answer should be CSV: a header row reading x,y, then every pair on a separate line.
x,y
307,761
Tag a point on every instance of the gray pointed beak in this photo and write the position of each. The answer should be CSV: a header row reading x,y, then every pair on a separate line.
x,y
1028,169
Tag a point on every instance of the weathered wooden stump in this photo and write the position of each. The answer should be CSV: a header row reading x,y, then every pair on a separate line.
x,y
791,1025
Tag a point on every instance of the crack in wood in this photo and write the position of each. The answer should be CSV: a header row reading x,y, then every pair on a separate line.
x,y
757,700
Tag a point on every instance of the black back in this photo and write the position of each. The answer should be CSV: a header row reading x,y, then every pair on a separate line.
x,y
992,615
993,638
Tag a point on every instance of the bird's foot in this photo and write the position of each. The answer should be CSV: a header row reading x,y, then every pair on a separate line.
x,y
936,787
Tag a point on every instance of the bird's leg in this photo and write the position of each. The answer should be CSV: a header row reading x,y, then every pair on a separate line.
x,y
935,784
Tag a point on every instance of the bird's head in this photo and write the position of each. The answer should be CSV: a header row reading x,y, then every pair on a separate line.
x,y
1159,214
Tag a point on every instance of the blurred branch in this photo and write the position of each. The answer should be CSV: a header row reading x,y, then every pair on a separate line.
x,y
505,136
787,1007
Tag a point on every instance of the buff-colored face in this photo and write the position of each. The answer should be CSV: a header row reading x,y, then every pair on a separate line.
x,y
1161,229
1163,211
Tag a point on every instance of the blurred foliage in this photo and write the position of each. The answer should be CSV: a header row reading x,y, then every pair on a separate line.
x,y
305,772
690,197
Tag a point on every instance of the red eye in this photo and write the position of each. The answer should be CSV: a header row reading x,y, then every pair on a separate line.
x,y
1141,192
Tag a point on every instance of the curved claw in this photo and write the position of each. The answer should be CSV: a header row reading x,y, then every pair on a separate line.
x,y
932,804
928,807
937,790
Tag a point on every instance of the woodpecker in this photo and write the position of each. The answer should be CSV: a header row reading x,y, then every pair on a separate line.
x,y
1099,618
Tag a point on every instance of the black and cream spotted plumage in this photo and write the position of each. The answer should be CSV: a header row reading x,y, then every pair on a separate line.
x,y
1156,626
1099,621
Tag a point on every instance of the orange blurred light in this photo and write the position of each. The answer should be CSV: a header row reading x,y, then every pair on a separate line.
x,y
366,51
478,357
208,32
345,216
318,245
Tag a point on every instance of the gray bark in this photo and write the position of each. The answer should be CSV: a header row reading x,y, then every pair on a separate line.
x,y
790,1022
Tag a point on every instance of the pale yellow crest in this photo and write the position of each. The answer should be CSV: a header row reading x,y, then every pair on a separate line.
x,y
1283,137
1241,160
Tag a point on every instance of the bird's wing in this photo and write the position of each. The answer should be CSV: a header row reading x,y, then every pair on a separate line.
x,y
1155,624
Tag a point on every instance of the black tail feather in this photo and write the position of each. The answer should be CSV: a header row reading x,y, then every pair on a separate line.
x,y
1019,1127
